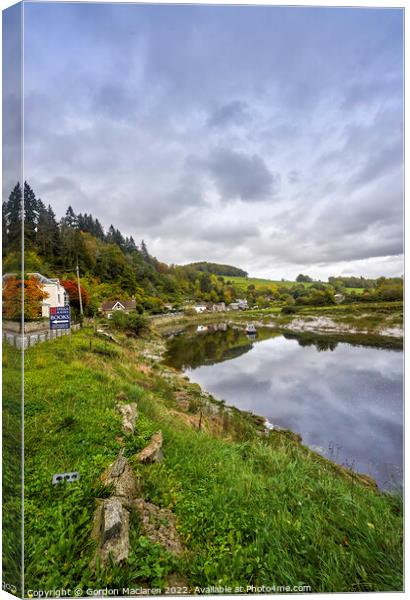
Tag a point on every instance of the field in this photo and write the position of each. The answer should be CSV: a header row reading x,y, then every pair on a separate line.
x,y
243,282
250,509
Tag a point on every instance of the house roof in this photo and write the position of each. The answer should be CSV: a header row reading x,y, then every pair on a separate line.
x,y
126,304
44,280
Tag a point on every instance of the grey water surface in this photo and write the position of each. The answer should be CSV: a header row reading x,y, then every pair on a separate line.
x,y
345,400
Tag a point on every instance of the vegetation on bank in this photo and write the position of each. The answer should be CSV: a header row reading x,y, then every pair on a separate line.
x,y
251,508
12,469
378,323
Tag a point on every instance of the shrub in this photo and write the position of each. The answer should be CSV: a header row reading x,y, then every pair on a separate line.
x,y
133,322
289,310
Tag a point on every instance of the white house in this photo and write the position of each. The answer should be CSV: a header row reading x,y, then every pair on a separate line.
x,y
243,304
57,295
199,308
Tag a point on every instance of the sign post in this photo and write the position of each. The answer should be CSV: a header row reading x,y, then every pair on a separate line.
x,y
60,317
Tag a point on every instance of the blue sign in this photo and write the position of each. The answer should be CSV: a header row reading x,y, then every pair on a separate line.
x,y
60,317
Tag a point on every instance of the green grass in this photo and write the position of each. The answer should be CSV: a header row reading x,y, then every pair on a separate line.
x,y
242,283
11,475
251,510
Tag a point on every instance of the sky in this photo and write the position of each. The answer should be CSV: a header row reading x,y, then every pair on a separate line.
x,y
269,138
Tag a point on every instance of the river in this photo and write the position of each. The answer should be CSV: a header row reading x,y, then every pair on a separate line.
x,y
345,400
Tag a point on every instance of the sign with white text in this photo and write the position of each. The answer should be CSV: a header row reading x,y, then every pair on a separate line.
x,y
60,317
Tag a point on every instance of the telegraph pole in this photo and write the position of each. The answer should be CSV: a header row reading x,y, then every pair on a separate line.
x,y
79,289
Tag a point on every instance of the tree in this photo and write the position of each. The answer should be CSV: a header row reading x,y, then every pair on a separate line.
x,y
13,213
144,251
70,218
303,278
31,214
47,234
12,298
72,289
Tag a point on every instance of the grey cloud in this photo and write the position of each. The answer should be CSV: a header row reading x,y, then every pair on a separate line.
x,y
241,176
115,120
380,161
233,113
293,176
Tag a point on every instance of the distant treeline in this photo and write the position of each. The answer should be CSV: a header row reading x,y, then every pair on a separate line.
x,y
216,269
111,265
352,282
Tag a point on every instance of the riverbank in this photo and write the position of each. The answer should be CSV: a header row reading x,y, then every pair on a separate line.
x,y
381,322
252,507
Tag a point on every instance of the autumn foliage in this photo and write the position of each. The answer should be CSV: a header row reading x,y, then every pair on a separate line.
x,y
12,298
71,288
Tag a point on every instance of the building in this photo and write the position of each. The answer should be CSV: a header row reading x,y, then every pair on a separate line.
x,y
199,308
243,304
219,307
233,306
56,294
111,306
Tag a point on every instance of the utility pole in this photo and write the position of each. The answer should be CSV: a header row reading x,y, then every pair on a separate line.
x,y
79,289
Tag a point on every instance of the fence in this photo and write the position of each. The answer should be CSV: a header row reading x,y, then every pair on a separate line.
x,y
31,339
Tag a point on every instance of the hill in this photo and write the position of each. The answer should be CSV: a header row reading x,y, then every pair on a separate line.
x,y
218,269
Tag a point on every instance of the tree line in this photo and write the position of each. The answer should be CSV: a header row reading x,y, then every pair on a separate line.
x,y
112,265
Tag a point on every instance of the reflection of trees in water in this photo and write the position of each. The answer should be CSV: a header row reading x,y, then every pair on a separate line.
x,y
193,350
321,343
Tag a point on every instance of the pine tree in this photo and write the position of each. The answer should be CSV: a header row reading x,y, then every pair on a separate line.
x,y
144,251
70,219
31,213
14,213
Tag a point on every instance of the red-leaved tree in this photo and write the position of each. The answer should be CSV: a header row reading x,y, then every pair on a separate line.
x,y
72,289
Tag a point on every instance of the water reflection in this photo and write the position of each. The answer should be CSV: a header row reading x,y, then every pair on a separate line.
x,y
345,400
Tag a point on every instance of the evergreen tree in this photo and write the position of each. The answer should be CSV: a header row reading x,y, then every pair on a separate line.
x,y
70,219
14,213
144,251
31,213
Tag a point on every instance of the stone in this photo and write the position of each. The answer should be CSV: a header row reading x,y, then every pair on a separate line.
x,y
159,526
128,413
120,475
113,516
111,531
153,452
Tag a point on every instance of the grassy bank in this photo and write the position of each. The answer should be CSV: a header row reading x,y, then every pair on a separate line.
x,y
380,323
251,509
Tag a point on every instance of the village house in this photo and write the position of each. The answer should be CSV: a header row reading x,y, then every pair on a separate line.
x,y
199,308
233,306
218,307
243,304
57,296
111,306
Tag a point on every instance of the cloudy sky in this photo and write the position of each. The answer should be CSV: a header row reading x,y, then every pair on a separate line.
x,y
265,137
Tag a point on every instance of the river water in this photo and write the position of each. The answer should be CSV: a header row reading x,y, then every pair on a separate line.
x,y
345,400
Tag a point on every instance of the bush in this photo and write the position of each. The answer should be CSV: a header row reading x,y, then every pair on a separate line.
x,y
289,310
133,322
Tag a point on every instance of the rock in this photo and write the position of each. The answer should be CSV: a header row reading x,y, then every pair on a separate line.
x,y
109,336
121,476
159,526
153,452
111,530
112,523
128,413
